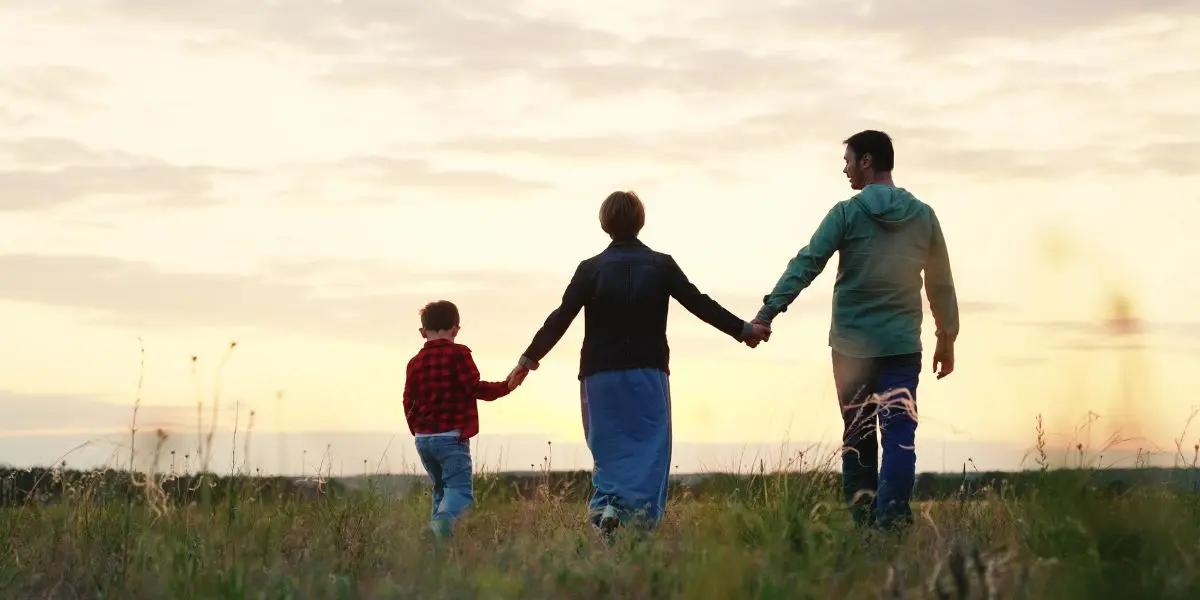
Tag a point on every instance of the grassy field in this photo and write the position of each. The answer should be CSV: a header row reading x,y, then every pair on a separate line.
x,y
1052,534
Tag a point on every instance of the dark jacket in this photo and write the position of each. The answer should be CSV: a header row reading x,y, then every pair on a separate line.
x,y
624,292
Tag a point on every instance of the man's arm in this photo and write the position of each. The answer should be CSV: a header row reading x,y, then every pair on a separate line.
x,y
939,285
560,319
806,265
702,306
468,378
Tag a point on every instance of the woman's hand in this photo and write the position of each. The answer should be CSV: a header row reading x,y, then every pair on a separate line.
x,y
759,332
516,376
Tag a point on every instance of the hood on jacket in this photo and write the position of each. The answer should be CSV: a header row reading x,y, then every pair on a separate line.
x,y
889,206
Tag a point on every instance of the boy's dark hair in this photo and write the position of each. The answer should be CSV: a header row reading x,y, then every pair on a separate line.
x,y
622,215
876,143
439,316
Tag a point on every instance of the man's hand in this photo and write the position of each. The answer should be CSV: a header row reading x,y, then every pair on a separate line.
x,y
759,333
517,376
765,326
943,357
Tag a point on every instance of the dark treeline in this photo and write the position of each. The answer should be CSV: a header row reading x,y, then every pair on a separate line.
x,y
40,485
104,486
576,485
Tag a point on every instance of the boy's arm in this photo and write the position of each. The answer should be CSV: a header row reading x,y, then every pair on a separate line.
x,y
408,398
939,285
702,306
468,377
806,265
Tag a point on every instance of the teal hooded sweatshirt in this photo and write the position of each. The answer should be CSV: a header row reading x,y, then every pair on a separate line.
x,y
886,238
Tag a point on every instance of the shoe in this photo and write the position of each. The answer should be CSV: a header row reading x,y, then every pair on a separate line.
x,y
606,527
441,531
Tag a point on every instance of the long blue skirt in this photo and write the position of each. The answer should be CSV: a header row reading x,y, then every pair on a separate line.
x,y
627,423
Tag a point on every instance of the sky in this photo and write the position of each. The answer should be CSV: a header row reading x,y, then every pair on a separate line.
x,y
298,178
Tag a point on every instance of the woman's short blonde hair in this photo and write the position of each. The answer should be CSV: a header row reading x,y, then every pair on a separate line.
x,y
622,215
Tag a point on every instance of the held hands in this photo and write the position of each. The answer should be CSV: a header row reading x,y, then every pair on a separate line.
x,y
760,332
766,327
517,376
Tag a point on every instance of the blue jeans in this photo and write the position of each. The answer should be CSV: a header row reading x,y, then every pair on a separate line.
x,y
878,495
447,460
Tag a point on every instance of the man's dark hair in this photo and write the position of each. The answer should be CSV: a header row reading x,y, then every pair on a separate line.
x,y
622,215
439,316
876,143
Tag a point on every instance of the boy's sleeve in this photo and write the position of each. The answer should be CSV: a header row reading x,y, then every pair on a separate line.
x,y
468,377
408,397
806,265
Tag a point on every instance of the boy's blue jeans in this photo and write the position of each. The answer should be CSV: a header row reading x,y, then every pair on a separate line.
x,y
878,495
447,460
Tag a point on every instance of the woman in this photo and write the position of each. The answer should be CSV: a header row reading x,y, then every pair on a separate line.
x,y
623,367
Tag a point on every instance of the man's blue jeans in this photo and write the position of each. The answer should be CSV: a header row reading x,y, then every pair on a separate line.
x,y
447,460
878,495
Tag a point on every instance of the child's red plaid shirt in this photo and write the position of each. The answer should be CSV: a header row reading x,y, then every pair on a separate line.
x,y
441,387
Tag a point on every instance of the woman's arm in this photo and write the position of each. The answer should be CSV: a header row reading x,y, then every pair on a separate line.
x,y
705,308
556,325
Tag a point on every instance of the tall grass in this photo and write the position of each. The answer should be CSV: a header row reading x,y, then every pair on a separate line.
x,y
777,532
778,535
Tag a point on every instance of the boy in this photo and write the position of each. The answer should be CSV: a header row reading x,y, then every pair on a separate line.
x,y
440,390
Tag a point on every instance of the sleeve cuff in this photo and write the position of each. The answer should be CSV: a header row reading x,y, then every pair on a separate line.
x,y
949,336
527,363
747,331
766,303
765,315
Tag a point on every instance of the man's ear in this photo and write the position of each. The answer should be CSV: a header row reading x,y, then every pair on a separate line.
x,y
866,161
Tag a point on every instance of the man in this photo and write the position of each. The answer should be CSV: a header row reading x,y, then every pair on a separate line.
x,y
885,238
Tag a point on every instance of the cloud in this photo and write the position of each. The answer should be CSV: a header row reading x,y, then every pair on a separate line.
x,y
919,146
286,298
756,133
770,76
631,68
938,24
59,86
711,54
361,300
53,172
26,190
400,172
439,44
51,151
12,119
453,30
509,30
28,413
1172,159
